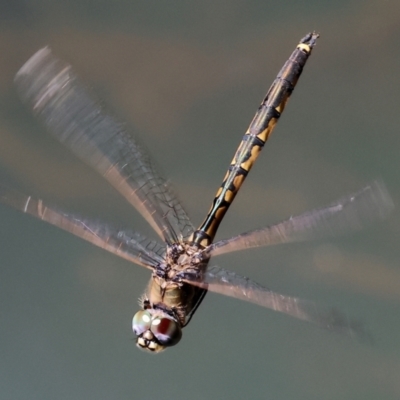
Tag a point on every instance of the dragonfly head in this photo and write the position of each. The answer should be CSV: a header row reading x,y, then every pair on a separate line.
x,y
155,330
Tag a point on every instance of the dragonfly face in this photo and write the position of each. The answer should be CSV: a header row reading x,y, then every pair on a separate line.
x,y
155,330
181,274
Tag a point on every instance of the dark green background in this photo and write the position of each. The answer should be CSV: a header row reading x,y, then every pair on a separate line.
x,y
189,77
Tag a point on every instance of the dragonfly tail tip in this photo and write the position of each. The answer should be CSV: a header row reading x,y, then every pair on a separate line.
x,y
310,39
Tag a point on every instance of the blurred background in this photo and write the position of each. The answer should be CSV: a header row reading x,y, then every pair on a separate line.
x,y
188,77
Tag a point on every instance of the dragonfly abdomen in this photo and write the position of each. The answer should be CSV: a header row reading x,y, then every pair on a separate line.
x,y
253,141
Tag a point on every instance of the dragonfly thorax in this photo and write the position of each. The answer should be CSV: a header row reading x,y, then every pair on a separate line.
x,y
179,258
169,301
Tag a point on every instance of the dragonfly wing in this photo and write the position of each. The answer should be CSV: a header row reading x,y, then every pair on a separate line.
x,y
353,212
127,245
77,120
229,283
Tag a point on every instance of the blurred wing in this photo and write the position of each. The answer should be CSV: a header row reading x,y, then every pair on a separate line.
x,y
130,246
56,96
228,283
353,212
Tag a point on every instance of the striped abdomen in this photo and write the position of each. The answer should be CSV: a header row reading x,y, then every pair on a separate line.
x,y
253,141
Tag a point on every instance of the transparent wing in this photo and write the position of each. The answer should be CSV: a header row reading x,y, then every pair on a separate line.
x,y
125,244
77,120
228,283
353,212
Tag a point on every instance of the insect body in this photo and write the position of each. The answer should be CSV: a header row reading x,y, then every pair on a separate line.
x,y
181,274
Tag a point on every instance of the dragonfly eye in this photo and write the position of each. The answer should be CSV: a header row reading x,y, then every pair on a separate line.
x,y
141,322
155,333
167,331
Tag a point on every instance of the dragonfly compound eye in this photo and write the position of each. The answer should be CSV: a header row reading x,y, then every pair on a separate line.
x,y
166,330
141,322
155,332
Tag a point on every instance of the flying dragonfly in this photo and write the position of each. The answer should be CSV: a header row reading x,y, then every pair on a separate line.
x,y
180,271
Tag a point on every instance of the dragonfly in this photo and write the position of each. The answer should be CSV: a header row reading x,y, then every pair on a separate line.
x,y
181,273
